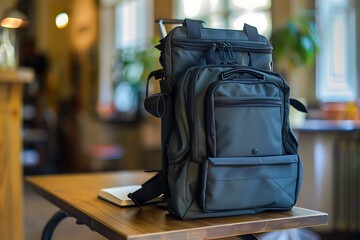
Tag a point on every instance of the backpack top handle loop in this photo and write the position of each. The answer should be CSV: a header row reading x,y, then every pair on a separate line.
x,y
227,74
251,32
161,24
194,25
193,28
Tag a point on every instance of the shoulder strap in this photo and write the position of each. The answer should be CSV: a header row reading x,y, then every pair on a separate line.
x,y
151,189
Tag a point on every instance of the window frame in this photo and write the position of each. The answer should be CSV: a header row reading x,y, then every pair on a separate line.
x,y
330,87
108,51
227,11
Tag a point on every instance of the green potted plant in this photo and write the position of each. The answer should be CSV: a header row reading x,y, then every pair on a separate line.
x,y
129,74
295,43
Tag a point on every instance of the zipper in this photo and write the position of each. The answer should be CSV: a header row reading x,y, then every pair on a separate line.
x,y
238,46
230,50
214,85
264,102
223,101
192,116
183,121
189,88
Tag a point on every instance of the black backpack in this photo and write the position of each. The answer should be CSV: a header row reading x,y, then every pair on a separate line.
x,y
227,145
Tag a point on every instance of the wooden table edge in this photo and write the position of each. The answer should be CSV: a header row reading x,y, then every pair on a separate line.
x,y
321,219
232,229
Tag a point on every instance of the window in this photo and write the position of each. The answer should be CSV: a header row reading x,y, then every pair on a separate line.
x,y
336,65
124,26
229,13
131,28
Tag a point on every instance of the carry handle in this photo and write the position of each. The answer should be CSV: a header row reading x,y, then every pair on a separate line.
x,y
251,32
161,24
193,30
193,25
226,75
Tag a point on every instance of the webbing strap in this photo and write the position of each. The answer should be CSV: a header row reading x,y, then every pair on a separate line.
x,y
251,32
149,190
157,74
298,105
156,103
192,28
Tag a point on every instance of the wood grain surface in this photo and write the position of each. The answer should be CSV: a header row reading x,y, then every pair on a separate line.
x,y
11,191
77,195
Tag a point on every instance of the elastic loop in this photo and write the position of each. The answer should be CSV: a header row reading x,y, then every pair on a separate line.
x,y
157,74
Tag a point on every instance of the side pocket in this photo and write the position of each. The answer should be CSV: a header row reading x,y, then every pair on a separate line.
x,y
178,144
174,146
269,182
291,142
156,104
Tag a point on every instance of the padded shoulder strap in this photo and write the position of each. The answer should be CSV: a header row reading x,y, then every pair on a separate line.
x,y
251,32
193,28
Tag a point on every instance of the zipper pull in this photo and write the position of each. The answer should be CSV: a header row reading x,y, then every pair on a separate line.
x,y
220,47
230,51
223,77
210,54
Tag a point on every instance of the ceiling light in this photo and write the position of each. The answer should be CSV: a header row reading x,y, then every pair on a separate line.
x,y
62,20
14,19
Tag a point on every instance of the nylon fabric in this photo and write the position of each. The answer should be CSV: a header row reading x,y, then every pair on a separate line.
x,y
227,145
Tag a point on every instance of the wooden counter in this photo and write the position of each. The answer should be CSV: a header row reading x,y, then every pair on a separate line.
x,y
11,189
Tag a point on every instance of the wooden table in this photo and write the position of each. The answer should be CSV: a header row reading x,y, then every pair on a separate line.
x,y
11,188
77,196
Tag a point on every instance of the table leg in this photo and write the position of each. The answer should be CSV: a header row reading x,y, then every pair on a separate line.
x,y
52,224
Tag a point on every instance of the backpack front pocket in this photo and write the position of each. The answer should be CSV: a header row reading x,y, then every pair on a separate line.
x,y
244,118
250,183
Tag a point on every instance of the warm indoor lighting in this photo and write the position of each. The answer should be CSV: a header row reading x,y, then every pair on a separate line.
x,y
62,20
14,19
191,7
10,21
258,19
253,4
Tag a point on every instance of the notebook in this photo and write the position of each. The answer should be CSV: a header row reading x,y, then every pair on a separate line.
x,y
118,195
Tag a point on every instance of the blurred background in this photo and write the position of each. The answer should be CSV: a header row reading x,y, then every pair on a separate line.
x,y
83,110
